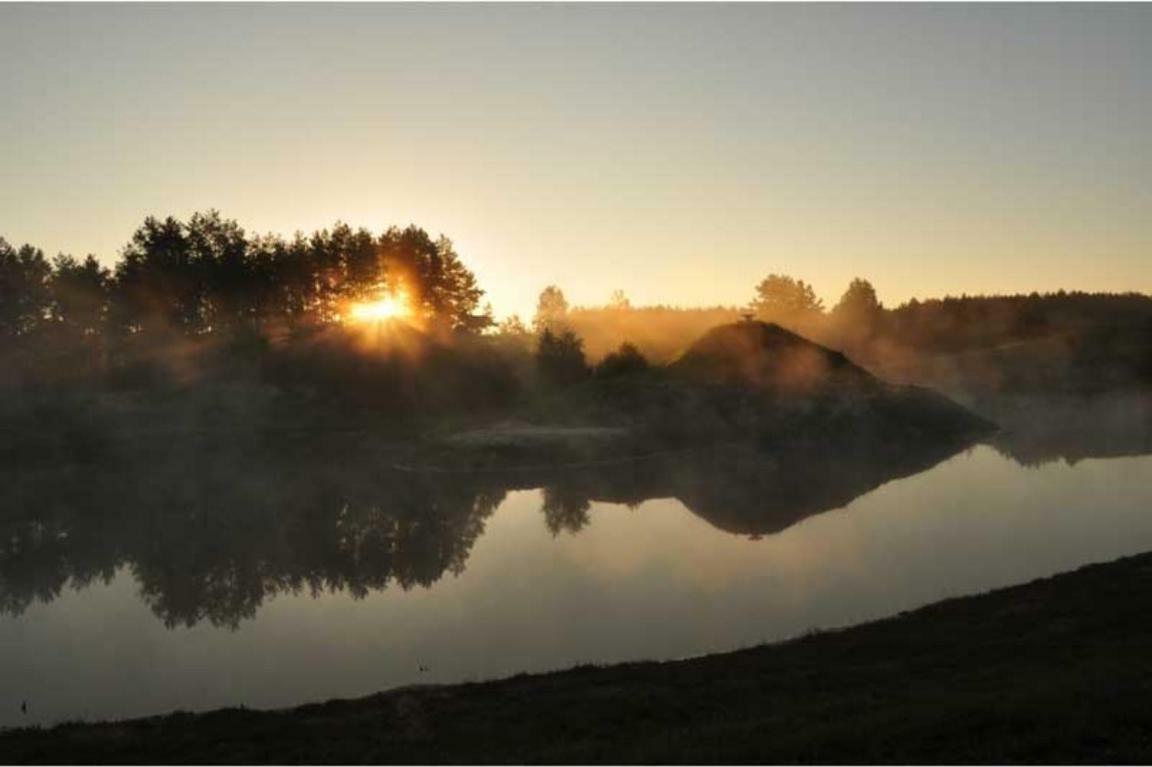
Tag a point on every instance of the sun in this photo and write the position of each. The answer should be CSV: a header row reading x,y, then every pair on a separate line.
x,y
388,307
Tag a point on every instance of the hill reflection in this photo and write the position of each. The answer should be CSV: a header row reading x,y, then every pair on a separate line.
x,y
209,530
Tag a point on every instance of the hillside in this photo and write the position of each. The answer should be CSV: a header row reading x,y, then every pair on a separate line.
x,y
765,356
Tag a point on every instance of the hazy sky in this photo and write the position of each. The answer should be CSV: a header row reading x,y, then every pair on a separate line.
x,y
679,152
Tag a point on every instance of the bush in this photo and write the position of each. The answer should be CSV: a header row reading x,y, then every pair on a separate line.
x,y
560,358
627,360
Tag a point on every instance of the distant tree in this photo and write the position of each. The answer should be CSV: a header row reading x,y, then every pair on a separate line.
x,y
513,326
857,315
218,257
858,300
780,298
619,301
79,293
157,286
271,279
551,310
624,361
514,337
25,293
560,358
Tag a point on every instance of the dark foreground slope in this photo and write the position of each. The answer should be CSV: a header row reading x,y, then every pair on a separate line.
x,y
1057,670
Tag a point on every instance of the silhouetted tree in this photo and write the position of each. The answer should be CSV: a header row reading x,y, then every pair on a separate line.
x,y
513,326
79,294
363,270
328,255
516,344
24,289
784,300
619,301
560,358
626,360
208,276
218,254
551,310
859,300
157,285
480,322
440,287
858,314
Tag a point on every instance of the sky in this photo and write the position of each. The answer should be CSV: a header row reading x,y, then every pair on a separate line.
x,y
677,152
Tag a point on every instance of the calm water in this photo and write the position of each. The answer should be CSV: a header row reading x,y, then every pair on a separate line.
x,y
143,585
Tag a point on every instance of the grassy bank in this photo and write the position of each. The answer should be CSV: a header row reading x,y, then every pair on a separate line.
x,y
1058,670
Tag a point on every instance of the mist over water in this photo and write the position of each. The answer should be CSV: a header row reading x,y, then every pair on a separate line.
x,y
278,601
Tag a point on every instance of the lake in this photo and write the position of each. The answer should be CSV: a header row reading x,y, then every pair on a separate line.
x,y
159,579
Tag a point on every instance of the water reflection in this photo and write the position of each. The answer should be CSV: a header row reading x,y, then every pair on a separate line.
x,y
1037,431
210,532
740,489
211,528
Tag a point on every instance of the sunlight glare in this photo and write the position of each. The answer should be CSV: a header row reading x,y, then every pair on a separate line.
x,y
390,306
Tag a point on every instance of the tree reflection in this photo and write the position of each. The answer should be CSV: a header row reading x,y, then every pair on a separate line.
x,y
209,532
565,507
740,489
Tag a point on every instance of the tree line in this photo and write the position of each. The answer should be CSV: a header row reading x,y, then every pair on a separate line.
x,y
207,278
857,319
207,275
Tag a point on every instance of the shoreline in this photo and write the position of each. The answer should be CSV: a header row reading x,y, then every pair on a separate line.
x,y
1054,670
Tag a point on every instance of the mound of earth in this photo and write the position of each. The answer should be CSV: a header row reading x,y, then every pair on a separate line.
x,y
764,355
746,381
758,379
